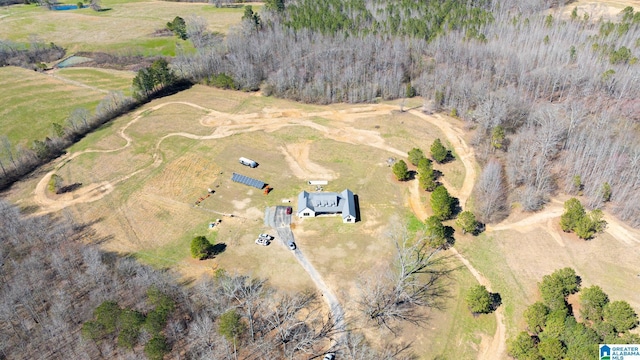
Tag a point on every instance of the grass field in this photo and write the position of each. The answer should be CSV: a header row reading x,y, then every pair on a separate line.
x,y
516,260
32,101
103,79
127,27
151,216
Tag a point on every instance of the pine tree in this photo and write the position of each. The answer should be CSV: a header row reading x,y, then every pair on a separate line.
x,y
401,170
438,152
442,203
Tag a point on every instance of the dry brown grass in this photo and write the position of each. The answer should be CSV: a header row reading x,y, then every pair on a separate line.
x,y
151,214
606,9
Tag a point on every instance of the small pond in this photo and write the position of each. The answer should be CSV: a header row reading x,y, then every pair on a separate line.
x,y
65,7
72,60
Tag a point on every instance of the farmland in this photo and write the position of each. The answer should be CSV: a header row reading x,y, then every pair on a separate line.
x,y
32,101
126,28
147,208
139,177
178,149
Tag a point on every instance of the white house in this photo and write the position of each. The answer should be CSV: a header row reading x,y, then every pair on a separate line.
x,y
311,204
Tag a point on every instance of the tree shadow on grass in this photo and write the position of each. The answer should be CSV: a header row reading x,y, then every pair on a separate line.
x,y
455,207
448,235
496,300
216,250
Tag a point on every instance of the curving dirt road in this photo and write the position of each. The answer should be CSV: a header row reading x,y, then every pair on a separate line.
x,y
230,124
496,347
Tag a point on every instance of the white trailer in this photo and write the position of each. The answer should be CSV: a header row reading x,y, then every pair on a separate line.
x,y
247,162
318,182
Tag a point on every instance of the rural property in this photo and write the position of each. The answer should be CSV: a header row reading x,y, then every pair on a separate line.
x,y
304,180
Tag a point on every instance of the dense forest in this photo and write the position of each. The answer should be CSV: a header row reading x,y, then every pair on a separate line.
x,y
551,99
61,297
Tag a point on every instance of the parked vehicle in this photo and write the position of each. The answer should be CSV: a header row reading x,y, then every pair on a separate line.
x,y
263,241
329,356
266,236
289,210
247,162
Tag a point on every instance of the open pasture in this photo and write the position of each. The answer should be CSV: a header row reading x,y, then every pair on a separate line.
x,y
518,253
32,101
179,147
102,79
126,27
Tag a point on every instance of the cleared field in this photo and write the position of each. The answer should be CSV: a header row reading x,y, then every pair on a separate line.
x,y
103,79
32,101
126,27
158,161
516,259
176,150
606,9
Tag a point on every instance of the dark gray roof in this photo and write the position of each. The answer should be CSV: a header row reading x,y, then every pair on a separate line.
x,y
247,181
328,202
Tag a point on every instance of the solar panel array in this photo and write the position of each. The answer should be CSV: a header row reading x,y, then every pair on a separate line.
x,y
247,181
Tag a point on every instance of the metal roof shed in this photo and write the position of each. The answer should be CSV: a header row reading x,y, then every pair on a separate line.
x,y
247,181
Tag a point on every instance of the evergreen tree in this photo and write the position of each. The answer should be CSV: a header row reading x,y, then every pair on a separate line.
x,y
551,349
523,347
479,300
415,155
230,325
573,212
467,221
435,231
442,203
438,152
536,317
556,287
200,247
592,303
178,27
426,175
620,315
497,137
156,348
401,170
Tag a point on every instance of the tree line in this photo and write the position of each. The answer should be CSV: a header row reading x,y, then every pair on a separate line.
x,y
16,160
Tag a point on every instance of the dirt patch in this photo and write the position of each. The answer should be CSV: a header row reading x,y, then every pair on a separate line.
x,y
240,204
606,9
297,156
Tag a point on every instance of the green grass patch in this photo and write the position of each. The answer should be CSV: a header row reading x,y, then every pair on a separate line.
x,y
103,79
457,333
175,252
414,224
32,101
485,254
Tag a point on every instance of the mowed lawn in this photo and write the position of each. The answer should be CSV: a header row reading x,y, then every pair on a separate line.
x,y
32,101
126,27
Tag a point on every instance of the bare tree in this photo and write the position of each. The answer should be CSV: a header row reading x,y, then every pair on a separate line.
x,y
490,193
416,281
